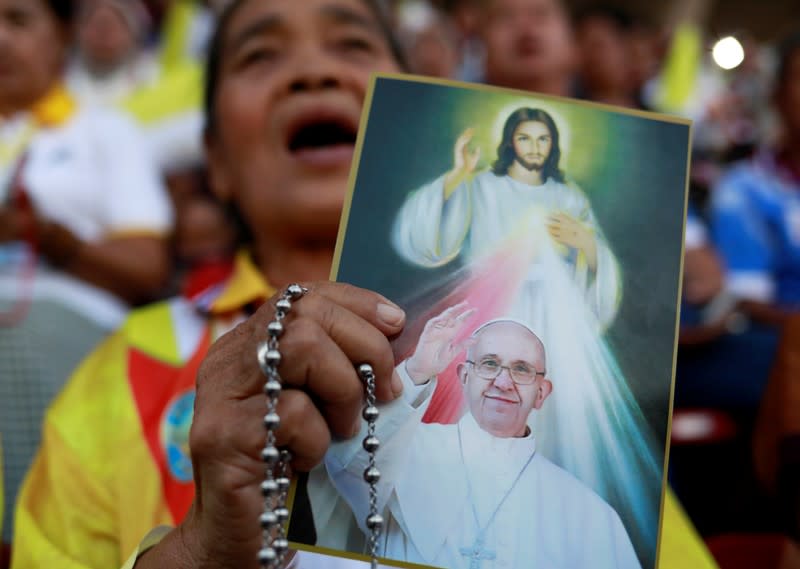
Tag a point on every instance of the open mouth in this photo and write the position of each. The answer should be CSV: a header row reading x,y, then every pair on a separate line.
x,y
321,135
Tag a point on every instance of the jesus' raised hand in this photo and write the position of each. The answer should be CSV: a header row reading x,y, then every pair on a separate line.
x,y
465,160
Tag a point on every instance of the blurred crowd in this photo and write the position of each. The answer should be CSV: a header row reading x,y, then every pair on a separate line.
x,y
104,204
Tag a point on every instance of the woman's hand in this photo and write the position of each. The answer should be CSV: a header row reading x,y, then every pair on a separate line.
x,y
328,332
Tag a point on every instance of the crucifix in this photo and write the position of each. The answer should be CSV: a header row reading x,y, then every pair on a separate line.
x,y
477,553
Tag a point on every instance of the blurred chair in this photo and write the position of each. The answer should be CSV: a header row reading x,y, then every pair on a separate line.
x,y
776,441
753,550
701,426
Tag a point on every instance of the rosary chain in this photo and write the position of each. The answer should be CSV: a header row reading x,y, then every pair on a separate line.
x,y
371,443
275,487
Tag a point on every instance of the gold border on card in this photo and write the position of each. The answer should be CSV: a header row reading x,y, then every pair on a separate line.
x,y
351,184
674,350
384,562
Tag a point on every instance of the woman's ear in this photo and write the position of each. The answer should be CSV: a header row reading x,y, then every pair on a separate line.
x,y
218,178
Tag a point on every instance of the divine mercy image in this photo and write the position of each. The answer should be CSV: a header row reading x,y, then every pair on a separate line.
x,y
535,244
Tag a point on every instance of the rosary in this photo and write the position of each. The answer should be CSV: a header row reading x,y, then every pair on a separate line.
x,y
275,486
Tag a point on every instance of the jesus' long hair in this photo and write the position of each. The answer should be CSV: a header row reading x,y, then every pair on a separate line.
x,y
506,153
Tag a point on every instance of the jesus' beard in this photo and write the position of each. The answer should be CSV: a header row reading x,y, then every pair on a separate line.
x,y
530,166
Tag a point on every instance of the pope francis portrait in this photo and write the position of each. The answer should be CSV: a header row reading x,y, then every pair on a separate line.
x,y
474,494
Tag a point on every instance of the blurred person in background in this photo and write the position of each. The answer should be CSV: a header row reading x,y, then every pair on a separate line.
x,y
112,60
204,241
433,48
645,43
756,209
110,485
723,358
83,225
466,17
185,29
741,351
607,72
529,46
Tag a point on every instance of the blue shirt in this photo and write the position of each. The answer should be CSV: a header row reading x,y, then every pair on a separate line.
x,y
756,228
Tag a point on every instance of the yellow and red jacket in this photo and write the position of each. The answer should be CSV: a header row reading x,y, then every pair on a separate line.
x,y
114,461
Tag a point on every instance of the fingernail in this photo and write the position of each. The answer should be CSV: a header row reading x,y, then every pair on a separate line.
x,y
397,384
391,314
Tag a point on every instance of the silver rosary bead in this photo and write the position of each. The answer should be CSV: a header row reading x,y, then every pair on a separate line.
x,y
281,546
371,444
263,362
275,329
272,421
371,414
267,557
268,520
372,475
283,484
272,388
375,522
270,455
295,291
269,488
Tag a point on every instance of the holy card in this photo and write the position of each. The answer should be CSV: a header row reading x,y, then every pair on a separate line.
x,y
535,244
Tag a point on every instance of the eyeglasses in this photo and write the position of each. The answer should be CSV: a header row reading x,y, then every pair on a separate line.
x,y
520,372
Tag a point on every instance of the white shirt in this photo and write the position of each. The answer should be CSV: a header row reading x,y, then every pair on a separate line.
x,y
94,176
113,88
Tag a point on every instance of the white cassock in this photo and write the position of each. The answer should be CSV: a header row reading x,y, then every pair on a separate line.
x,y
530,513
592,426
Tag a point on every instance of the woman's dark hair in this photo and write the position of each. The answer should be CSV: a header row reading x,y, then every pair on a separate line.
x,y
506,153
63,10
214,59
786,50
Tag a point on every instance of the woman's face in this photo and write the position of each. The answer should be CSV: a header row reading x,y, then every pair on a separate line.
x,y
292,80
32,51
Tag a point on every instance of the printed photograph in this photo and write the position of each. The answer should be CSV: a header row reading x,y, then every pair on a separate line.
x,y
535,244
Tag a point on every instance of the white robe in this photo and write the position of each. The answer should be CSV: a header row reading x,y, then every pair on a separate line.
x,y
480,217
548,520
